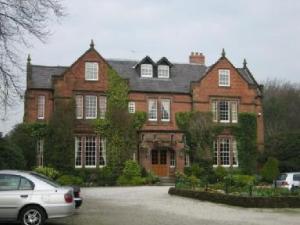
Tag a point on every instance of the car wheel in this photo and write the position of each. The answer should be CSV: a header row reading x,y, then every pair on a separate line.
x,y
32,215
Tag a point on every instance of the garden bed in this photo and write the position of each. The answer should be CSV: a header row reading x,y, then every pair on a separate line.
x,y
243,201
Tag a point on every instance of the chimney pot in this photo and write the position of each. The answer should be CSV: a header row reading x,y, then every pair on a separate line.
x,y
197,58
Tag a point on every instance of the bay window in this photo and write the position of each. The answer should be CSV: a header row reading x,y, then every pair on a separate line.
x,y
79,106
225,152
225,111
90,107
102,106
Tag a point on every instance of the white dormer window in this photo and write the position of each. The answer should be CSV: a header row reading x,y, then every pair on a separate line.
x,y
91,71
224,78
163,71
146,70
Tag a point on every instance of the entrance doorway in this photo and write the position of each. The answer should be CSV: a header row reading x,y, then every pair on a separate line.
x,y
162,160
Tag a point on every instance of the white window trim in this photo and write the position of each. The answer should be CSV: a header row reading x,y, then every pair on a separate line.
x,y
228,76
231,149
228,111
77,139
147,67
96,68
41,106
96,107
161,108
152,119
103,152
79,107
102,108
163,68
173,166
131,107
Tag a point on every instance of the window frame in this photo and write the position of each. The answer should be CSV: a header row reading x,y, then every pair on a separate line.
x,y
102,106
102,152
94,69
79,106
41,103
224,77
163,71
91,156
153,109
172,159
146,70
131,107
19,184
232,111
78,139
162,110
86,107
233,152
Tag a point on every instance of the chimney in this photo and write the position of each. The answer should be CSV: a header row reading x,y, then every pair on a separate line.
x,y
197,58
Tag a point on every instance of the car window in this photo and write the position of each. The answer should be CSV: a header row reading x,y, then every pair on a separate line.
x,y
296,177
9,182
282,176
45,179
25,184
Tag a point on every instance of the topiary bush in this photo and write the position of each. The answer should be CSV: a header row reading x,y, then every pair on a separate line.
x,y
69,180
270,170
48,171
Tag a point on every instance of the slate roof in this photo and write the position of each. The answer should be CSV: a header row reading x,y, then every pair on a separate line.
x,y
181,76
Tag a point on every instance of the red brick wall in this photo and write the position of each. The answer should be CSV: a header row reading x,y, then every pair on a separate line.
x,y
249,100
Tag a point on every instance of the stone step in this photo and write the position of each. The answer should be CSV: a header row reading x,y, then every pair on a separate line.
x,y
167,181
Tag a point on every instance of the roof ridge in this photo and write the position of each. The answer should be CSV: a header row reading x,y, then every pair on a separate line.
x,y
58,66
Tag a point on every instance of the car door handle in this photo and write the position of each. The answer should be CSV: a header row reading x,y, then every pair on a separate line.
x,y
24,196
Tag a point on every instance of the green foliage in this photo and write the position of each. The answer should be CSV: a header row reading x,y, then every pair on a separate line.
x,y
270,170
69,180
119,127
246,135
220,173
47,171
131,174
241,180
285,148
59,144
151,178
11,156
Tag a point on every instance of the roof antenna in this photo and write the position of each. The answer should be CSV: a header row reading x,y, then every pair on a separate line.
x,y
245,64
223,52
92,44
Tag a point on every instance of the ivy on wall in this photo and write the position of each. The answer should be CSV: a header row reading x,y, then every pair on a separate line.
x,y
198,139
119,126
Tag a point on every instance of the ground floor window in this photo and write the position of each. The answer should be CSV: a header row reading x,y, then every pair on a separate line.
x,y
90,151
225,152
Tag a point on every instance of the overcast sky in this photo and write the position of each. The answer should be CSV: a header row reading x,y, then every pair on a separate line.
x,y
265,32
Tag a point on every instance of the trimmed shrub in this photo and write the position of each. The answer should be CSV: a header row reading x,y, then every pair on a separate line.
x,y
69,180
242,180
131,175
47,171
151,178
270,170
122,180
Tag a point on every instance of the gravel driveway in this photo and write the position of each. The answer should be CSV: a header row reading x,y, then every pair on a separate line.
x,y
152,205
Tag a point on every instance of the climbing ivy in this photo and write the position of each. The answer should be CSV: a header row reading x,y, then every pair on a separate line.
x,y
119,127
245,133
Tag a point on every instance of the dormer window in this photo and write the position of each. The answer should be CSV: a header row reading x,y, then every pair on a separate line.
x,y
224,78
91,71
163,71
146,70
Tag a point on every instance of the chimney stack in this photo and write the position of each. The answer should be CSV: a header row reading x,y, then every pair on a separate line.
x,y
197,58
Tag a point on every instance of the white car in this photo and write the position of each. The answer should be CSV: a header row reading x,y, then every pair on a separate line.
x,y
288,180
31,199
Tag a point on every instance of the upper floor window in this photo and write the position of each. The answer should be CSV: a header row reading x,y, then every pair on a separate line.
x,y
224,78
152,110
146,70
79,106
41,107
102,106
163,71
131,107
90,107
225,111
165,110
91,71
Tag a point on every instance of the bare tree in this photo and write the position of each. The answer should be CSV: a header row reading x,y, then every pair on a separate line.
x,y
20,22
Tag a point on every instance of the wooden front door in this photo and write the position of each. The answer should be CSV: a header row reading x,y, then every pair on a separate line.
x,y
159,162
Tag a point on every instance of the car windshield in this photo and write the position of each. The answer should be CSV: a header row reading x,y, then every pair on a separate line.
x,y
282,176
45,179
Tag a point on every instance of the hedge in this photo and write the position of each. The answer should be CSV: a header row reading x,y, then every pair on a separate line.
x,y
248,202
